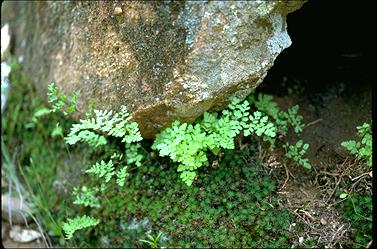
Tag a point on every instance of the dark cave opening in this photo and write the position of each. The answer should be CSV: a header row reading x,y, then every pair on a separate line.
x,y
333,46
329,71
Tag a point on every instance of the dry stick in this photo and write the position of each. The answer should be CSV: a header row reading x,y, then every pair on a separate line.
x,y
340,228
314,122
339,237
354,184
357,177
287,176
337,184
369,244
305,221
307,214
334,204
329,173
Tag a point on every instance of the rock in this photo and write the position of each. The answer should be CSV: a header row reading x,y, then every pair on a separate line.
x,y
23,235
164,60
19,212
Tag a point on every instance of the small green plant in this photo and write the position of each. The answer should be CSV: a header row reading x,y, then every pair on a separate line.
x,y
361,149
296,153
293,118
60,102
152,241
188,144
86,197
218,210
80,222
283,120
102,169
96,130
113,125
357,209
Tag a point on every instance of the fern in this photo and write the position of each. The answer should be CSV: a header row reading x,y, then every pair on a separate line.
x,y
87,197
296,152
265,104
188,144
361,149
105,123
94,140
133,155
292,117
60,102
121,176
260,125
102,169
78,223
95,130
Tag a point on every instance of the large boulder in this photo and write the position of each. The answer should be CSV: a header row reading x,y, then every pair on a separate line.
x,y
163,60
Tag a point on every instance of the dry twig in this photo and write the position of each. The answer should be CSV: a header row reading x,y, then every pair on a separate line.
x,y
338,182
314,122
287,176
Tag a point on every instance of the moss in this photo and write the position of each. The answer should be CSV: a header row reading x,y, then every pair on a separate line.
x,y
231,207
358,210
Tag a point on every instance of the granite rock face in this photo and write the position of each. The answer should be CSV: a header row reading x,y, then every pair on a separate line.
x,y
163,60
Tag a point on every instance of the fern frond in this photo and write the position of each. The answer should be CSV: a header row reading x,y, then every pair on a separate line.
x,y
72,225
86,197
296,152
121,176
92,130
188,144
133,155
362,149
102,169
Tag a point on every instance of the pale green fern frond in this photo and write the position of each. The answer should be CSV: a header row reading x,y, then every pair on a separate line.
x,y
121,176
102,169
294,119
86,197
92,130
133,154
72,225
362,149
264,103
94,140
260,125
297,152
59,101
188,144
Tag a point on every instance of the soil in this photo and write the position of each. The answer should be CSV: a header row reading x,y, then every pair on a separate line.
x,y
330,72
331,115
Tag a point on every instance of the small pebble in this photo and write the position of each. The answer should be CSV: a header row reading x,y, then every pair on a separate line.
x,y
118,10
323,221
